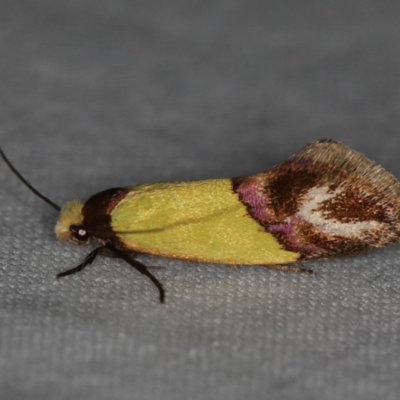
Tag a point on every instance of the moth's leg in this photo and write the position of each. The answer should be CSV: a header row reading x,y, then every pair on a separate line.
x,y
286,268
87,261
138,265
108,252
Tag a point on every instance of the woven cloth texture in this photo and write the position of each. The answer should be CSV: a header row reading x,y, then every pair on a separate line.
x,y
100,94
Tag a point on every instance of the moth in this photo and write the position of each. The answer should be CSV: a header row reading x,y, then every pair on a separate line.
x,y
327,200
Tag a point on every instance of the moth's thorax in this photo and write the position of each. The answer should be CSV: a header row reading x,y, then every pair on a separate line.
x,y
70,215
81,223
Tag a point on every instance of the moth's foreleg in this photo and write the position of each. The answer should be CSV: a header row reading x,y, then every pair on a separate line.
x,y
87,261
109,250
128,257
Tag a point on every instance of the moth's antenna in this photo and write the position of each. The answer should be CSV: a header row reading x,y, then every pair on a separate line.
x,y
27,184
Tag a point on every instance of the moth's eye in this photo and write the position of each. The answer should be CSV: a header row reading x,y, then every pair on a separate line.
x,y
80,233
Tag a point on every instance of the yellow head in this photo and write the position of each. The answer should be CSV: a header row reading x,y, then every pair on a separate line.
x,y
70,223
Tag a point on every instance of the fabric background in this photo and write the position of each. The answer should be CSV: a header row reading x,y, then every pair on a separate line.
x,y
98,94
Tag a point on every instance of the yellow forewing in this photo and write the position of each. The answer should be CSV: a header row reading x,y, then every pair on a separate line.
x,y
198,220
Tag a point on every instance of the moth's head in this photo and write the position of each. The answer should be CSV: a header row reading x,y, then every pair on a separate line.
x,y
70,225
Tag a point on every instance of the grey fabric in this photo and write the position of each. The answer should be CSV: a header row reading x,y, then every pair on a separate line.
x,y
97,94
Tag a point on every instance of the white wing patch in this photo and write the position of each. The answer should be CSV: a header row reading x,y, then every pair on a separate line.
x,y
310,212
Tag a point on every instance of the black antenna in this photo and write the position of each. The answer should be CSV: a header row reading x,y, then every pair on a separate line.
x,y
29,186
